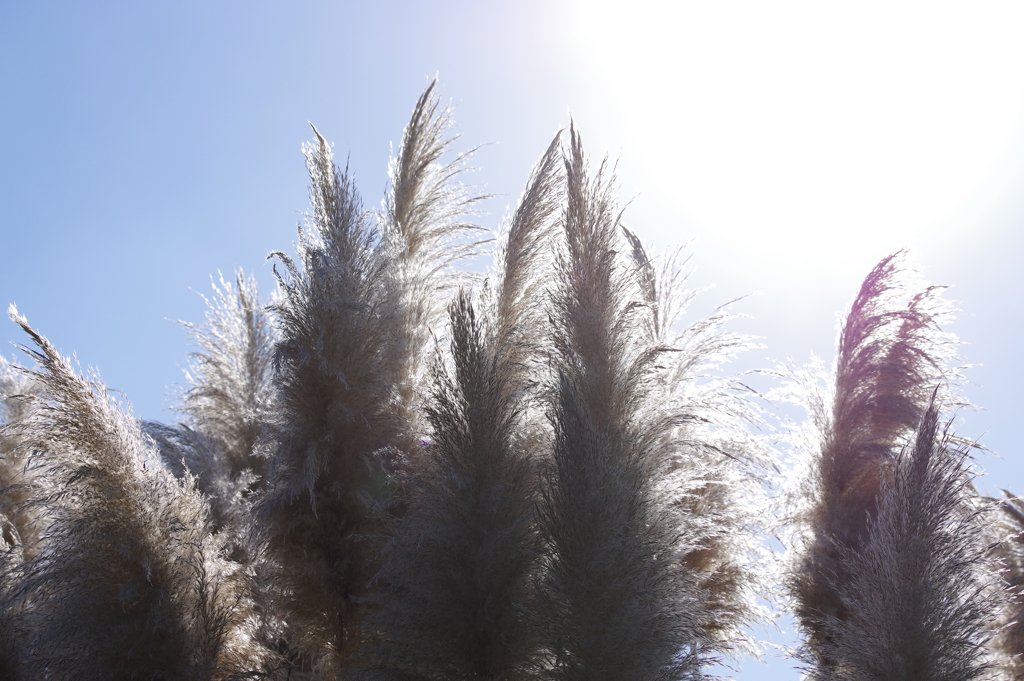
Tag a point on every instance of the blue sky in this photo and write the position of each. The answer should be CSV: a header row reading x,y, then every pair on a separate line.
x,y
146,146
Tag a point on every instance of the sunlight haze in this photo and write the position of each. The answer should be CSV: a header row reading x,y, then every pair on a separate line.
x,y
802,130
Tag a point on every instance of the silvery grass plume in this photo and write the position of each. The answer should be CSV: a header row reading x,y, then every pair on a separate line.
x,y
11,559
920,590
892,355
423,232
517,300
129,585
459,569
355,320
715,467
618,598
20,525
1008,535
23,525
227,403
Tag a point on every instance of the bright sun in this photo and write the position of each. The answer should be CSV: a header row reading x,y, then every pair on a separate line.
x,y
803,128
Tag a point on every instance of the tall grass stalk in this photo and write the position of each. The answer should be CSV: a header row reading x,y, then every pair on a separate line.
x,y
1007,536
890,583
460,566
228,402
356,316
130,583
619,599
921,590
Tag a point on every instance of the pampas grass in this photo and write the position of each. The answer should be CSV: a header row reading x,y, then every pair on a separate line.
x,y
892,580
623,594
398,470
227,404
460,565
23,524
355,321
921,589
20,524
130,584
1007,535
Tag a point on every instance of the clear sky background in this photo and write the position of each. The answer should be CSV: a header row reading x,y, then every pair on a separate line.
x,y
146,145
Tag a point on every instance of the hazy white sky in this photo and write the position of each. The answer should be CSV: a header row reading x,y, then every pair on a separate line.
x,y
799,129
147,145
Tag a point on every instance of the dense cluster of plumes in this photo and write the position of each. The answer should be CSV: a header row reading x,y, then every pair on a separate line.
x,y
396,470
1007,537
893,576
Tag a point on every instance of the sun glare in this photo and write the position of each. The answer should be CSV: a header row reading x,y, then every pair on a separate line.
x,y
799,128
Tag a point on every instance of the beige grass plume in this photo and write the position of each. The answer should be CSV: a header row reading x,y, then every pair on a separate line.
x,y
460,567
130,584
883,511
355,322
227,404
619,599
